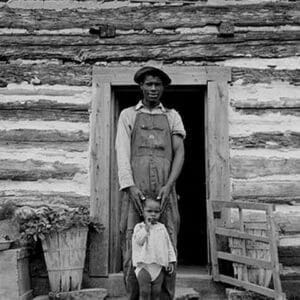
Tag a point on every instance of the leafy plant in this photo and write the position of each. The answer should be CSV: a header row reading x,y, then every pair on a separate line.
x,y
42,221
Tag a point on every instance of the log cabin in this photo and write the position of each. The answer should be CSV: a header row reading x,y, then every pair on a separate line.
x,y
66,71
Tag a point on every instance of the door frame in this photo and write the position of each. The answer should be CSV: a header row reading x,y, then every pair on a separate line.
x,y
104,248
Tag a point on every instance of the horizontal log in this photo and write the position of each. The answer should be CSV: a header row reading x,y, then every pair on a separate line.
x,y
35,135
42,104
266,188
252,75
37,198
81,75
145,39
261,111
45,115
249,167
169,51
286,103
48,73
289,256
290,63
288,200
69,153
78,185
73,147
149,18
46,110
284,106
261,98
269,140
32,170
59,92
290,272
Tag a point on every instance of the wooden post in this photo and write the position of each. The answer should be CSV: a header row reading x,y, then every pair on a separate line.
x,y
274,251
218,141
100,175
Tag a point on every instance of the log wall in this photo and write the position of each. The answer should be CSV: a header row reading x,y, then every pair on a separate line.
x,y
46,57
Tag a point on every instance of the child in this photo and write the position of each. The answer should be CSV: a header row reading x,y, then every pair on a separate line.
x,y
152,252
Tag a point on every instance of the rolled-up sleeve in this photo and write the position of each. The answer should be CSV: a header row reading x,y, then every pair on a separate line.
x,y
123,143
176,124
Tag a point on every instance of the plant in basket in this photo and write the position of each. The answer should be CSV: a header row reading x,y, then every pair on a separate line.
x,y
63,233
8,230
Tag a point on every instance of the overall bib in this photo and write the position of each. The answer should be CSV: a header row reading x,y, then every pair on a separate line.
x,y
151,159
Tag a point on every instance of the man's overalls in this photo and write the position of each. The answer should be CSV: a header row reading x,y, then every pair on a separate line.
x,y
151,159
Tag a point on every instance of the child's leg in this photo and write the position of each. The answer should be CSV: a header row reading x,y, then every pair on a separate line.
x,y
156,286
144,280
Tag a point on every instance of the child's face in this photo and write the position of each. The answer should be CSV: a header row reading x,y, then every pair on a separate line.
x,y
151,211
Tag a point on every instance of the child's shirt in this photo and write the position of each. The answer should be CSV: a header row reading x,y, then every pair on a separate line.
x,y
153,247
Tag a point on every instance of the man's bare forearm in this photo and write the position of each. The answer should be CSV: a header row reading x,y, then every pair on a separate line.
x,y
178,161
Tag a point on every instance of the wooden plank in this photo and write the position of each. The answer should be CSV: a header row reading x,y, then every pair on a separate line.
x,y
100,176
36,135
262,188
218,147
217,166
268,75
47,110
48,73
37,198
148,39
246,166
244,260
268,140
186,76
289,255
274,251
149,17
81,75
212,242
238,204
115,204
241,235
32,170
45,115
74,147
243,242
186,50
252,287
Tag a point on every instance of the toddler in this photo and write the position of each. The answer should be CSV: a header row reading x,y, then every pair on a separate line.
x,y
153,254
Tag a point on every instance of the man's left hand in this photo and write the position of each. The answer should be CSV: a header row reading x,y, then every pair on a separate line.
x,y
163,195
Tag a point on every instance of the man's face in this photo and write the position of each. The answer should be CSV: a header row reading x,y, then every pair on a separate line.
x,y
152,89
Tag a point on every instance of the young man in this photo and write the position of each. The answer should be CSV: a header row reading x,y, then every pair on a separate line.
x,y
150,155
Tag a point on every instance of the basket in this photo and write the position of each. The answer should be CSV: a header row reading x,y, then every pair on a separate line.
x,y
64,255
258,250
4,245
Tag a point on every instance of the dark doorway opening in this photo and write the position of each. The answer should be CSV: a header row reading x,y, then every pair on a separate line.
x,y
189,101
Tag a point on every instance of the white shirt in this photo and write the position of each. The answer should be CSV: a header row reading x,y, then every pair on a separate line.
x,y
123,139
153,247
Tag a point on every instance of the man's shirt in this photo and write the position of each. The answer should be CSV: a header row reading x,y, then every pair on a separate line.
x,y
123,139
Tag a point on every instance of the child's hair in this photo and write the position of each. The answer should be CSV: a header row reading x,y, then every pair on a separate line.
x,y
150,197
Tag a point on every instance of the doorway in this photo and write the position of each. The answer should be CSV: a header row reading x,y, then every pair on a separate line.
x,y
189,101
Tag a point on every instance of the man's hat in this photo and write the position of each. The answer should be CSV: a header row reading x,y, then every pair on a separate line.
x,y
141,73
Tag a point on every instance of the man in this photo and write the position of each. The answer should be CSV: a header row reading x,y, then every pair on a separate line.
x,y
150,155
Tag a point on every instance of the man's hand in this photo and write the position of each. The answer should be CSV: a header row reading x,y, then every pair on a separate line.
x,y
163,196
170,268
136,196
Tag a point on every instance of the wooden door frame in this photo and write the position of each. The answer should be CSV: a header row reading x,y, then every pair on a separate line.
x,y
103,120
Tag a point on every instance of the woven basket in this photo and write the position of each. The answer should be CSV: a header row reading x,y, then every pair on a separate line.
x,y
64,255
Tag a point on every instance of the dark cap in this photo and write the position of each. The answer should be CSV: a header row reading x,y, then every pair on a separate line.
x,y
141,73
